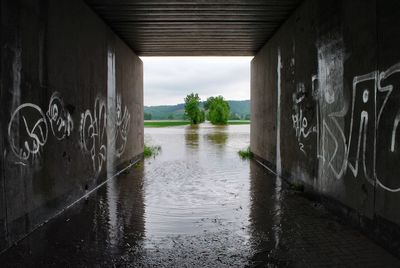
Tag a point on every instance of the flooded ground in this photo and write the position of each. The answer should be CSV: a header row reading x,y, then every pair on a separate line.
x,y
197,204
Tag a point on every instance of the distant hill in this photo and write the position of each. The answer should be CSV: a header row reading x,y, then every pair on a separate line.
x,y
239,110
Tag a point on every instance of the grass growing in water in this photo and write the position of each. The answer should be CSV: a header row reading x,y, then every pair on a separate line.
x,y
246,154
165,123
150,151
238,122
138,165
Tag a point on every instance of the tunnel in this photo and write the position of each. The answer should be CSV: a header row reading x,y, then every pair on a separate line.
x,y
324,99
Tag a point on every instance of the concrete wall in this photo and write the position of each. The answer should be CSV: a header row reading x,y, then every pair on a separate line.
x,y
70,109
326,105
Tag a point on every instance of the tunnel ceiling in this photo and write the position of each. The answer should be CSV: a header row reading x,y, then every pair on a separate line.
x,y
194,28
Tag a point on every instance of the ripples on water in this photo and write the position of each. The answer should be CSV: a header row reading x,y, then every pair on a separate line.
x,y
198,181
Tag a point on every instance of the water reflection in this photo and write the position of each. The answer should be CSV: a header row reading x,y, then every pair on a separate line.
x,y
218,136
117,217
192,137
265,214
278,211
130,205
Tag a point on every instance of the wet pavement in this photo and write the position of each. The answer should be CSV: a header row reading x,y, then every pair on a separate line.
x,y
197,204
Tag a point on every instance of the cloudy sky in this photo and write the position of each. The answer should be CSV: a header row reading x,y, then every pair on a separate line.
x,y
167,80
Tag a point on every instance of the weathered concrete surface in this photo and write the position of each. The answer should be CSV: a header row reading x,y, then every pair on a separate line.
x,y
325,107
71,109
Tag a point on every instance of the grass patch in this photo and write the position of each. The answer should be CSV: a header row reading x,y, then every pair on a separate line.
x,y
246,154
137,165
165,123
150,151
238,122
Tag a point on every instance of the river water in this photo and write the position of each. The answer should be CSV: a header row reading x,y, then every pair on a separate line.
x,y
200,199
197,182
196,204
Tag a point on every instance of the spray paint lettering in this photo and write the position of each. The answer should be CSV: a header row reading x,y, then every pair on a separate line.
x,y
27,132
357,150
60,120
28,128
122,126
299,120
93,134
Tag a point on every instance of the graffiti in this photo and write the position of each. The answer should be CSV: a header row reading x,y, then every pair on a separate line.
x,y
386,127
122,126
118,119
353,132
331,105
362,112
394,132
93,134
28,128
27,132
299,120
389,90
356,150
335,135
119,125
60,120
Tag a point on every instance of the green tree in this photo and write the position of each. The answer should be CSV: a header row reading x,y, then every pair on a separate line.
x,y
147,116
202,116
192,108
170,117
218,110
208,102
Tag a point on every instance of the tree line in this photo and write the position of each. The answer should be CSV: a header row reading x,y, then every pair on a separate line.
x,y
216,110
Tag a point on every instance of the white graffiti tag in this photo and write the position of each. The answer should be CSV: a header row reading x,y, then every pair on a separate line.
x,y
28,125
60,120
122,126
356,134
394,132
299,120
93,134
27,132
357,151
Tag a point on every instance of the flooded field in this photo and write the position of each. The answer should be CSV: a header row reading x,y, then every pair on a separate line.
x,y
196,204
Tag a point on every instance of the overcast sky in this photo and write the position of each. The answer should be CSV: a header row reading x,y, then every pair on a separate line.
x,y
167,80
